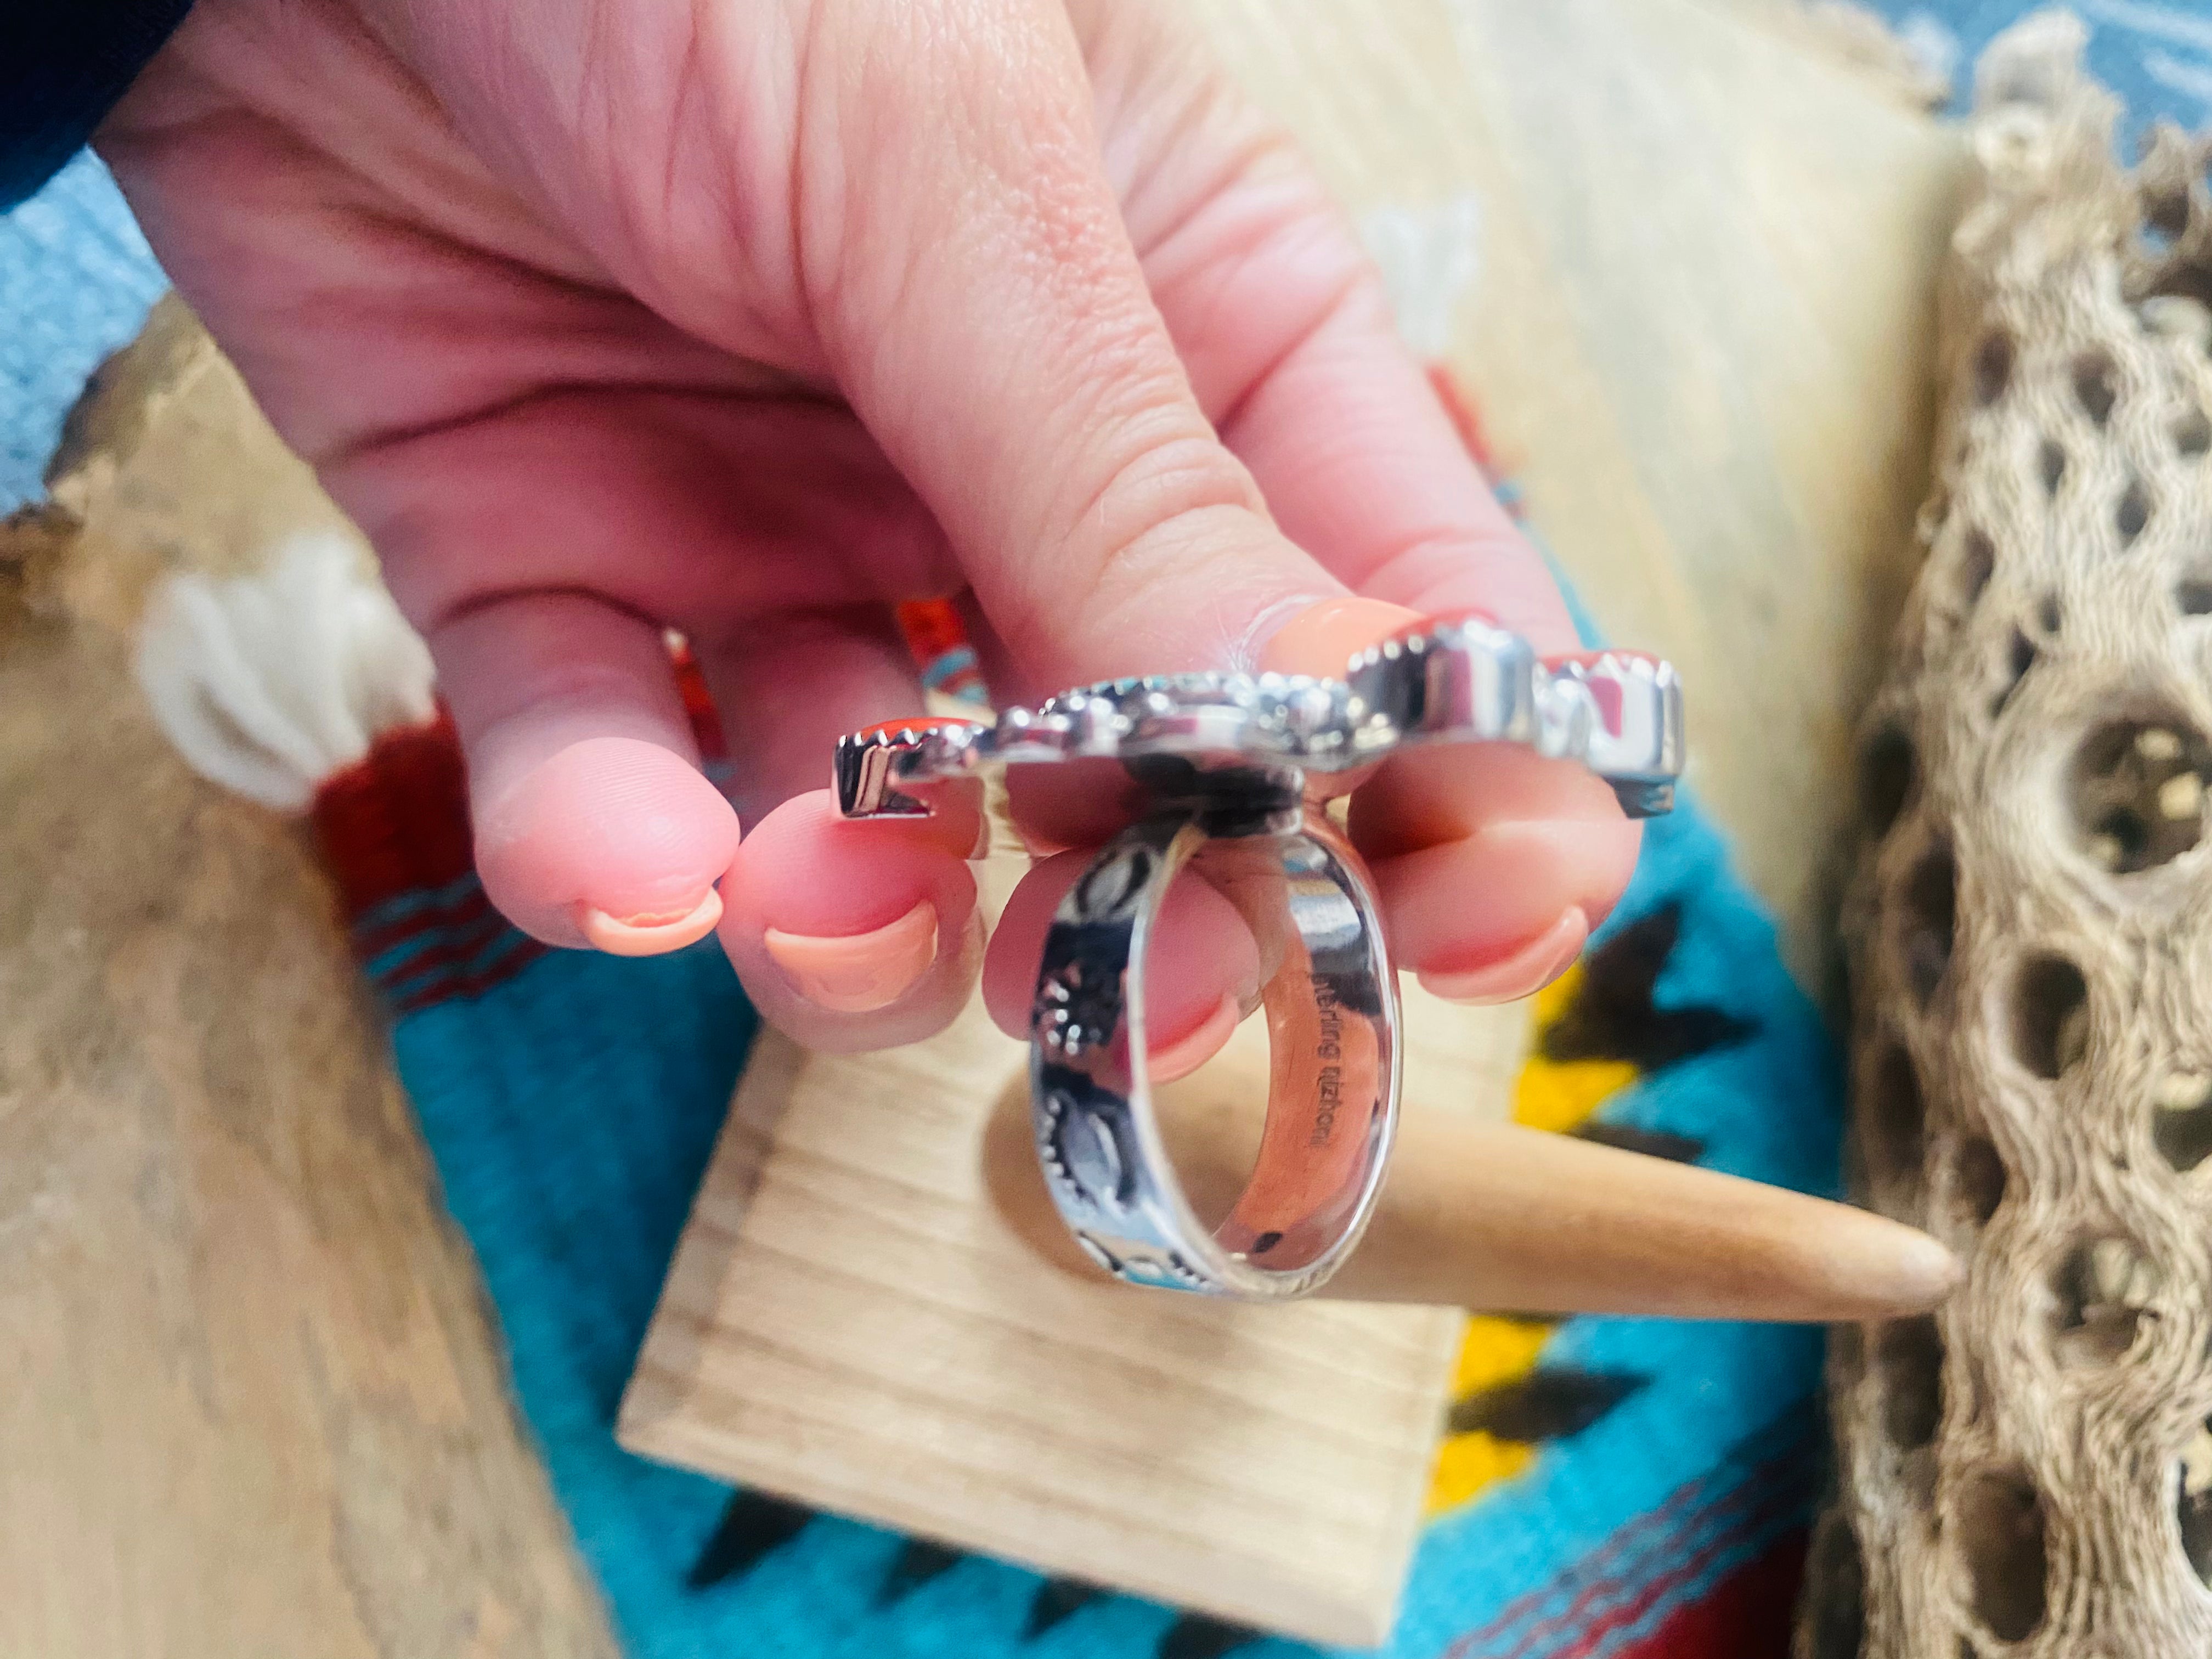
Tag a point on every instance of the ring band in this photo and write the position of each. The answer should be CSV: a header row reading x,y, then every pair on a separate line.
x,y
1332,1020
1234,769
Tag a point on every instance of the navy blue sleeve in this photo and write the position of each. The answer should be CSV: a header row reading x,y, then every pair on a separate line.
x,y
63,65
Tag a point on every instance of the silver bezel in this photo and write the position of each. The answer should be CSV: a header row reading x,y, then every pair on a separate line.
x,y
1617,713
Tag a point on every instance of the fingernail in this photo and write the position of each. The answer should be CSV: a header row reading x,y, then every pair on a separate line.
x,y
1167,1061
649,934
1528,971
857,973
1322,638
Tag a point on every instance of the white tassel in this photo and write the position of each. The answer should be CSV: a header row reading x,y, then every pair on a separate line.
x,y
271,683
1429,258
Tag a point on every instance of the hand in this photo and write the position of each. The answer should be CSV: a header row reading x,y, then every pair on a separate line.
x,y
751,317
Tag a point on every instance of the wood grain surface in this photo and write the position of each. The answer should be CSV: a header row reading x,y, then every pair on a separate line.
x,y
253,1404
851,1322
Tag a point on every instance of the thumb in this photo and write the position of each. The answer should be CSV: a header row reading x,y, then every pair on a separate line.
x,y
999,339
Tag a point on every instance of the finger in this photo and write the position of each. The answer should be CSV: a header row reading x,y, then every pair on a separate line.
x,y
1293,345
1202,968
847,935
1494,865
593,825
1290,337
844,963
1082,803
991,325
788,684
544,606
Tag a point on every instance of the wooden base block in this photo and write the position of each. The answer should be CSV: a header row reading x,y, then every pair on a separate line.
x,y
849,1322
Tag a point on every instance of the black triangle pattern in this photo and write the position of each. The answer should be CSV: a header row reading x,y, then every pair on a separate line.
x,y
1652,1143
1195,1636
1550,1403
1057,1599
919,1560
1613,1016
751,1527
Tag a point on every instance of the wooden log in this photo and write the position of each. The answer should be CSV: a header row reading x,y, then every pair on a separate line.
x,y
255,1404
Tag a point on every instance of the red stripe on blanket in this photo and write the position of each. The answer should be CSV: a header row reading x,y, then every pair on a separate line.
x,y
1631,1573
397,820
452,987
458,950
1606,1606
1599,1573
1746,1616
1627,1614
470,910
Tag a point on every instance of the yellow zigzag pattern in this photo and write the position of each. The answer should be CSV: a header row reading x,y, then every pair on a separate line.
x,y
1551,1095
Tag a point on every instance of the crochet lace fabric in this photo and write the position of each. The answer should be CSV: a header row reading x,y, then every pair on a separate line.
x,y
2028,1471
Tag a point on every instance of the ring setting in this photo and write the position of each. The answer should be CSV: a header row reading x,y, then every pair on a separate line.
x,y
1232,774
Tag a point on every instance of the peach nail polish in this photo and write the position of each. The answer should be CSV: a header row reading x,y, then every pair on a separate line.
x,y
1169,1061
857,973
649,934
1323,637
1525,972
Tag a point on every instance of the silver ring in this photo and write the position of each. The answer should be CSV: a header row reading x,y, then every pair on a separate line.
x,y
1234,770
1332,1007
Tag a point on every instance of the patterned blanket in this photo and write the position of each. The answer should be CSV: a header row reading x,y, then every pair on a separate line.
x,y
1605,1487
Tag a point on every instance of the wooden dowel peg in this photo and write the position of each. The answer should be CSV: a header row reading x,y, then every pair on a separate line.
x,y
1503,1218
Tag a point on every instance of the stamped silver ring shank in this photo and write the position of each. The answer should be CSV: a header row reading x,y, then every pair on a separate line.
x,y
1332,1019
